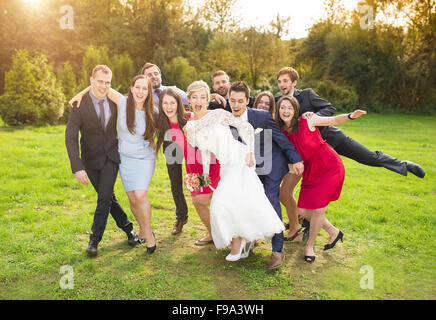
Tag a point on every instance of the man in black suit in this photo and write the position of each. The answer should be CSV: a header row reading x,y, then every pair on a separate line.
x,y
98,160
287,79
309,101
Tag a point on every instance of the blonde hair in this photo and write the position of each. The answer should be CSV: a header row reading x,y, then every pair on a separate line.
x,y
220,73
103,68
197,86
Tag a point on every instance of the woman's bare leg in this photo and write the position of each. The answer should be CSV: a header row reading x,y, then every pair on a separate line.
x,y
287,198
201,203
141,208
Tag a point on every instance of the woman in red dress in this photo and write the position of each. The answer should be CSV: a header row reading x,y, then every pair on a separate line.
x,y
324,172
171,120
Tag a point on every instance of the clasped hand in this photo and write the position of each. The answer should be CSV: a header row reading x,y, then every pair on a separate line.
x,y
298,168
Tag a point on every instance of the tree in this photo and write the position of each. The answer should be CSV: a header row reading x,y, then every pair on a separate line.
x,y
220,14
178,72
263,53
280,26
32,94
67,79
93,56
122,72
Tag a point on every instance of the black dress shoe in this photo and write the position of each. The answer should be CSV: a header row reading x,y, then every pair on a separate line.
x,y
92,248
132,238
416,169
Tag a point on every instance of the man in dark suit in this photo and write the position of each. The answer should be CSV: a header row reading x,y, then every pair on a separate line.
x,y
309,101
287,79
98,160
273,152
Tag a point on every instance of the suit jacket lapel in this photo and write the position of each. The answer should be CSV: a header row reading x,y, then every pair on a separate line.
x,y
296,93
251,117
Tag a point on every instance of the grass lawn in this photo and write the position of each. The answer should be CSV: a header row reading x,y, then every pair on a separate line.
x,y
388,220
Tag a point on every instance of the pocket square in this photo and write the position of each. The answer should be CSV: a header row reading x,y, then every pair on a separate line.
x,y
258,130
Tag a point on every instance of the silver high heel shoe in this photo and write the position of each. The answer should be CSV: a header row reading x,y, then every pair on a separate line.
x,y
236,257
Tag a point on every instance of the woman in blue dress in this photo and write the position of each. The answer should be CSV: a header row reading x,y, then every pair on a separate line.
x,y
136,128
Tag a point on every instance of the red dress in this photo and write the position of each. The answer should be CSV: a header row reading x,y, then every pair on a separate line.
x,y
193,161
324,173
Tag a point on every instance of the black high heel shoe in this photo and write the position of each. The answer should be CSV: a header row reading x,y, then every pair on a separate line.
x,y
332,245
153,248
292,238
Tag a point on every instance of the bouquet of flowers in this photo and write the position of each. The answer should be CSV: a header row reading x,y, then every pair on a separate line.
x,y
195,181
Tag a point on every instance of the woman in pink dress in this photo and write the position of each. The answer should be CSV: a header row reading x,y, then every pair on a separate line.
x,y
324,172
172,118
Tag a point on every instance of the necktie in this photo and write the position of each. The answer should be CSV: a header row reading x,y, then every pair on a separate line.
x,y
158,92
102,117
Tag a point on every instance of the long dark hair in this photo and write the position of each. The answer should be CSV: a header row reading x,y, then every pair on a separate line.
x,y
272,103
295,124
150,127
163,123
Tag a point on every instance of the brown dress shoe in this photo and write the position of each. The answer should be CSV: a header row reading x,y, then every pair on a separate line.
x,y
276,259
178,226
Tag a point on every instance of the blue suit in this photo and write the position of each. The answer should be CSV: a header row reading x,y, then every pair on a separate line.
x,y
273,152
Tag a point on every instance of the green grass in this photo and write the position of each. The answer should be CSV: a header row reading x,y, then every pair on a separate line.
x,y
388,221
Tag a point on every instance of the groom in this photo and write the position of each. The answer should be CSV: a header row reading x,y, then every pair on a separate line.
x,y
273,152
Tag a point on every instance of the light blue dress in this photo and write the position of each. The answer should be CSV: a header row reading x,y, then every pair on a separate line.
x,y
138,160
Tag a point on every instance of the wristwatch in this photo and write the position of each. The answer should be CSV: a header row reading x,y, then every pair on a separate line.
x,y
349,116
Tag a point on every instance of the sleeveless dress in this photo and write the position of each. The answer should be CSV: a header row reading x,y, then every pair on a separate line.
x,y
324,172
193,160
239,206
137,157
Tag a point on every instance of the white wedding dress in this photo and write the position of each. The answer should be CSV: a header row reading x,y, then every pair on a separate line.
x,y
239,206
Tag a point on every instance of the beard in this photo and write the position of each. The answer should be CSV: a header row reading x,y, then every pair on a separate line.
x,y
222,91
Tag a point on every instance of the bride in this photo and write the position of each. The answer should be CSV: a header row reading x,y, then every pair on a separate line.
x,y
240,212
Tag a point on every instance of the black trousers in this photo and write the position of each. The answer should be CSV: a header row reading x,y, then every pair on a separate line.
x,y
354,150
103,182
175,172
174,160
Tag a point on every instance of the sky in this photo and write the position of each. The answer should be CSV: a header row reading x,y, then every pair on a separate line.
x,y
303,13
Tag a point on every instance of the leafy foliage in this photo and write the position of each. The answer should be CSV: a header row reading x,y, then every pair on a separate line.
x,y
385,68
32,93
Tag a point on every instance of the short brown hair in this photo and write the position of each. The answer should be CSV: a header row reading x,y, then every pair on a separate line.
x,y
291,72
220,73
101,67
240,86
149,65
